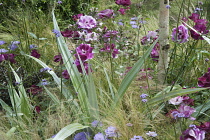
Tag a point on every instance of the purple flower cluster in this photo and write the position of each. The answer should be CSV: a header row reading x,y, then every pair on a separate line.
x,y
83,53
71,34
9,57
65,74
35,53
200,26
34,90
133,23
180,34
123,2
149,39
183,111
77,17
122,10
205,127
110,35
58,58
144,96
193,133
204,81
110,48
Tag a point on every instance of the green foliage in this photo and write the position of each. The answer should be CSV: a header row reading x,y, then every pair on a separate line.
x,y
132,74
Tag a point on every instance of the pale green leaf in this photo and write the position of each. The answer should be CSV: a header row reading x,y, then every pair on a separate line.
x,y
68,130
33,35
174,93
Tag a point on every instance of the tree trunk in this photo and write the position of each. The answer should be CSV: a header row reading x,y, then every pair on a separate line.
x,y
163,40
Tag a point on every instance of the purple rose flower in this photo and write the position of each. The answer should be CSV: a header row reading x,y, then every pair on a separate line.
x,y
86,22
65,74
84,51
180,34
123,2
35,54
204,81
99,136
193,133
108,13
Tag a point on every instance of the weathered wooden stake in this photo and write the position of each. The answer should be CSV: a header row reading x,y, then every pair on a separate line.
x,y
163,40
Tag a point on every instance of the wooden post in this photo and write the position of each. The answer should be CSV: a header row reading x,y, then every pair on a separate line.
x,y
163,40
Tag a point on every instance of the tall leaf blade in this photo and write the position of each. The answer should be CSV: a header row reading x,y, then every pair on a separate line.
x,y
132,73
201,109
72,69
92,96
172,94
53,97
6,107
25,105
15,99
